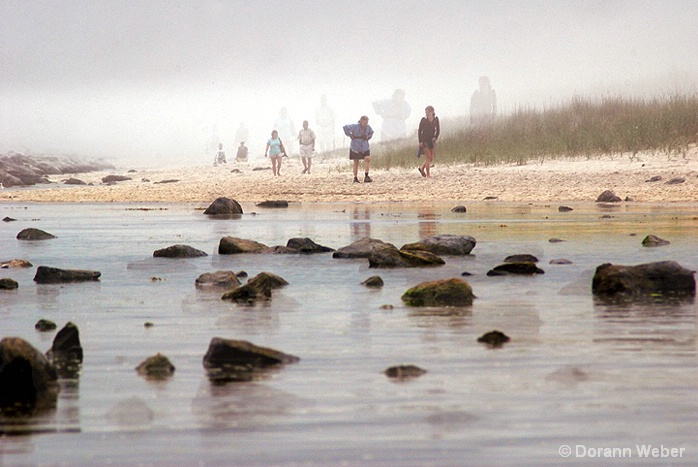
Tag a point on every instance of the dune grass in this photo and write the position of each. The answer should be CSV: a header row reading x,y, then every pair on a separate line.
x,y
580,127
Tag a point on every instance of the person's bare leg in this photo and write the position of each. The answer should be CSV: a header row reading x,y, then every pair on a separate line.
x,y
427,163
356,168
367,164
310,163
278,166
305,164
273,165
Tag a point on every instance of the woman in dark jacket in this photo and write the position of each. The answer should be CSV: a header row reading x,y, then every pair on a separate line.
x,y
429,130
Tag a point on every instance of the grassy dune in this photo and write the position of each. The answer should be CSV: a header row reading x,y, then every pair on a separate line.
x,y
581,127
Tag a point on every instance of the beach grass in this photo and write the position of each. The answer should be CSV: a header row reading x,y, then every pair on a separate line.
x,y
579,127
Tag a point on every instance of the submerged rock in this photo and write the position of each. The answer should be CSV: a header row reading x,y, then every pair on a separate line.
x,y
659,279
273,204
522,269
8,284
404,372
49,275
444,292
564,209
446,244
179,251
34,234
257,289
222,279
45,325
28,381
373,282
521,258
387,256
234,245
156,367
653,240
494,338
608,197
223,207
238,360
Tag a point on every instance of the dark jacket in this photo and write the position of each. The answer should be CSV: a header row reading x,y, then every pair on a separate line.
x,y
428,130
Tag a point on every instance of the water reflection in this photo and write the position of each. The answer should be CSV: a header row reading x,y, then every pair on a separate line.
x,y
360,226
427,222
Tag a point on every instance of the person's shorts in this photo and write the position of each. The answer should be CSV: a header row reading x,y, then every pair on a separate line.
x,y
275,156
429,144
306,150
358,156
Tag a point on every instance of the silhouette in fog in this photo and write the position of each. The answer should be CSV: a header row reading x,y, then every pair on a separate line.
x,y
213,139
275,150
241,155
428,133
242,133
220,155
483,103
306,139
287,131
324,118
359,149
394,112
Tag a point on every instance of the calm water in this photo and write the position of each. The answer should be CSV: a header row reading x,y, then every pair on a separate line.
x,y
576,373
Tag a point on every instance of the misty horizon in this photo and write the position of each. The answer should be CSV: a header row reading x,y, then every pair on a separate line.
x,y
147,83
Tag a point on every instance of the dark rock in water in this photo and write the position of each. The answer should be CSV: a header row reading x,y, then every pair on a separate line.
x,y
404,371
522,258
522,269
556,240
267,279
445,244
494,338
115,178
238,360
373,282
45,325
564,209
234,245
656,178
608,197
653,240
675,181
223,207
560,261
466,274
663,279
248,295
179,251
49,275
34,234
156,367
273,204
28,381
168,180
218,279
74,181
490,198
307,246
459,209
241,274
444,292
387,256
361,248
66,351
8,284
8,219
281,250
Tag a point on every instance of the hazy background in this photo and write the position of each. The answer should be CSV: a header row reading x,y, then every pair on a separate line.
x,y
146,82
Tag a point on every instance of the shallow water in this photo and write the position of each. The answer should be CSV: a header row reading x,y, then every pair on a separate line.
x,y
575,373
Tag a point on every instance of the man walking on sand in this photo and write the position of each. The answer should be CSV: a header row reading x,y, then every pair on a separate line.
x,y
306,139
359,149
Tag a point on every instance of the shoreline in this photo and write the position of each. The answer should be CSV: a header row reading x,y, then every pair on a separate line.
x,y
561,180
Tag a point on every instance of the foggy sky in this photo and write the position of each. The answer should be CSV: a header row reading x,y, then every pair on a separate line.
x,y
145,82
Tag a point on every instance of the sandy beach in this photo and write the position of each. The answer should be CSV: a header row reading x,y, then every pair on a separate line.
x,y
561,180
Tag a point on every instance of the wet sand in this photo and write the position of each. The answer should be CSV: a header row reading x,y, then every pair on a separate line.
x,y
560,180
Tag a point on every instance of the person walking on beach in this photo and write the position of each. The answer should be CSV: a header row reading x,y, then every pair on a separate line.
x,y
220,155
275,150
306,139
359,149
428,133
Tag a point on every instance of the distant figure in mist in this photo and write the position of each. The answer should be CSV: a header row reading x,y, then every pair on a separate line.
x,y
359,150
483,103
394,112
428,132
241,155
220,156
275,151
324,118
213,139
287,131
242,133
306,139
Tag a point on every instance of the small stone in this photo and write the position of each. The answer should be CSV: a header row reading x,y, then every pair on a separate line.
x,y
494,338
8,284
45,325
156,367
404,371
374,282
564,209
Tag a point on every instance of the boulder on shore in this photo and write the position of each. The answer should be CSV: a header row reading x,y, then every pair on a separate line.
x,y
22,170
49,275
239,360
28,381
445,244
608,197
653,280
444,292
223,207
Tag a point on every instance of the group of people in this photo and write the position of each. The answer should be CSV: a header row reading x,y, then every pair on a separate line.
x,y
395,111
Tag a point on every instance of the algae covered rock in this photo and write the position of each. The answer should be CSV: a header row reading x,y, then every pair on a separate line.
x,y
444,292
